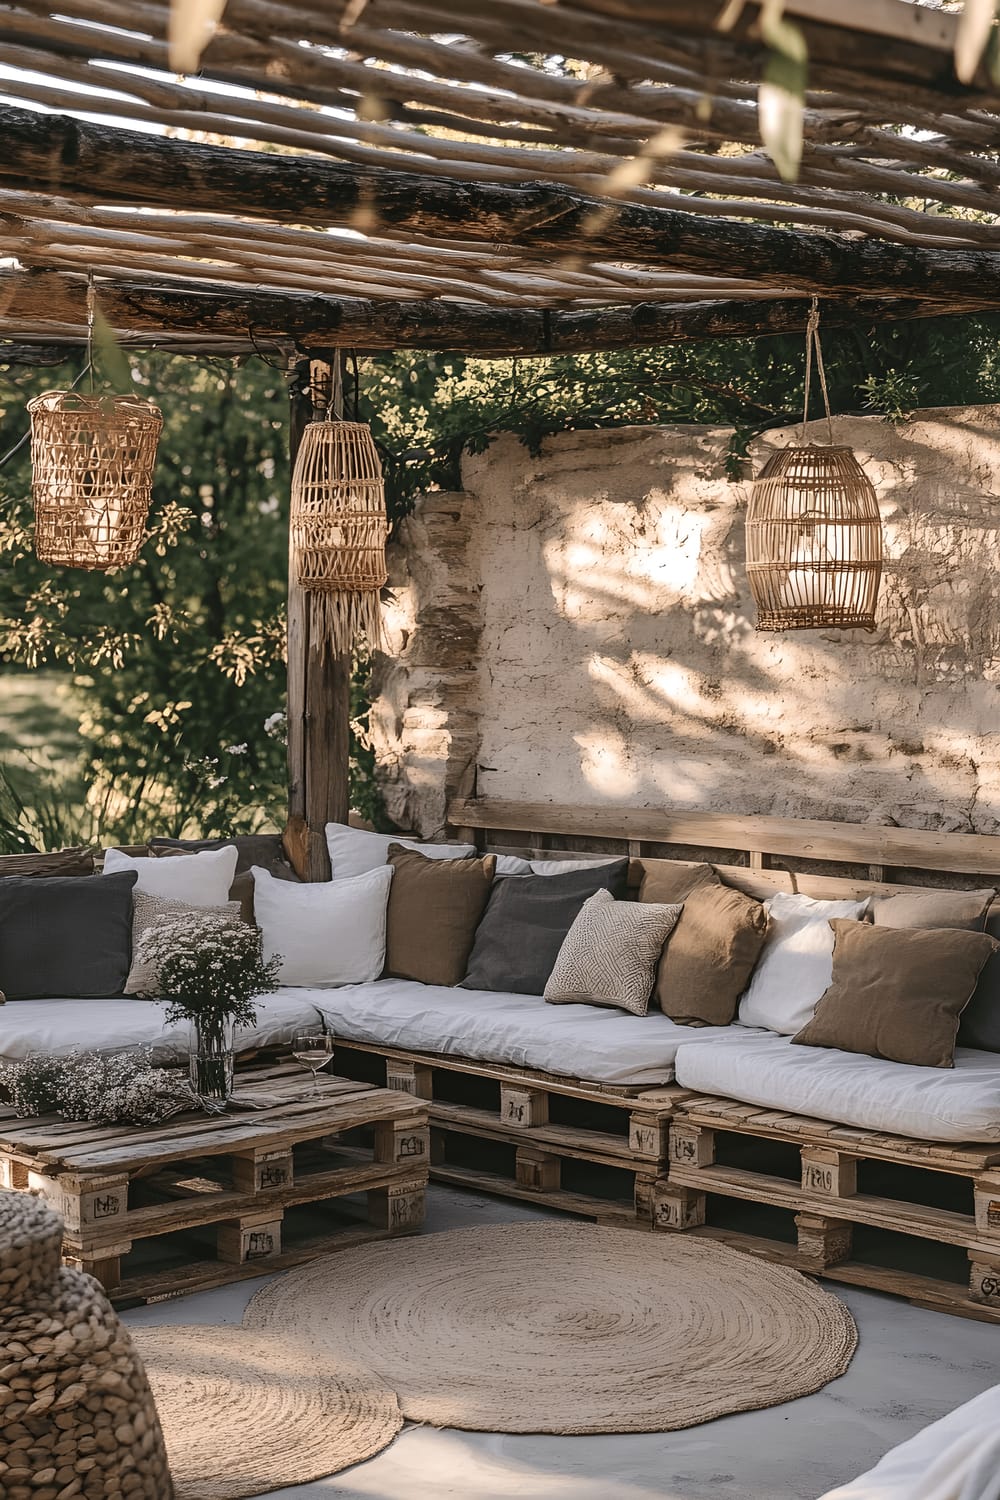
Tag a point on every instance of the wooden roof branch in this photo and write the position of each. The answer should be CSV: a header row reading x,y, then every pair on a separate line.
x,y
92,163
37,298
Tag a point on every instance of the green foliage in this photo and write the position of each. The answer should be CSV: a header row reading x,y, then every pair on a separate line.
x,y
178,662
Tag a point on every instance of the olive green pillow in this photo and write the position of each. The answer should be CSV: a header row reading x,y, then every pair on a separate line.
x,y
898,993
435,906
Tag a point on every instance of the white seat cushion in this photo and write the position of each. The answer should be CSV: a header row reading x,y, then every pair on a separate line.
x,y
933,1104
58,1027
957,1458
581,1041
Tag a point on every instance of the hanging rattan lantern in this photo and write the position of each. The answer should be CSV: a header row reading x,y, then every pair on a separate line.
x,y
92,460
813,533
339,530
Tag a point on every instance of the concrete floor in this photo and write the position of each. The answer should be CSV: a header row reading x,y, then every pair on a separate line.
x,y
911,1367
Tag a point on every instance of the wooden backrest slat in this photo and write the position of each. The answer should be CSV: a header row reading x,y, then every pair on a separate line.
x,y
844,843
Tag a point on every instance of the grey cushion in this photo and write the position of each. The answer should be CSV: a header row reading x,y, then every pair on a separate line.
x,y
68,935
526,922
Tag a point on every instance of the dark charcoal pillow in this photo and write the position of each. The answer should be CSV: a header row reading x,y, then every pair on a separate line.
x,y
980,1023
264,849
79,861
526,922
68,935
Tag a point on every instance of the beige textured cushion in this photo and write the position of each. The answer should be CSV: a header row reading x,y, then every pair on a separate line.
x,y
710,956
142,978
610,953
897,993
435,906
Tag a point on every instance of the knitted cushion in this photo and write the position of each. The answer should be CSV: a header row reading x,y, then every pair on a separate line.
x,y
610,953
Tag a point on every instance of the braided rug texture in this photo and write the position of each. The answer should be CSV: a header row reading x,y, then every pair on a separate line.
x,y
565,1328
244,1413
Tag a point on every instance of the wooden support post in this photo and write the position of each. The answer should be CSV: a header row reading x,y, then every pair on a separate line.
x,y
647,1136
676,1208
105,1266
830,1173
319,683
410,1078
402,1141
984,1278
987,1195
822,1242
261,1170
523,1106
253,1237
691,1145
537,1170
399,1207
86,1203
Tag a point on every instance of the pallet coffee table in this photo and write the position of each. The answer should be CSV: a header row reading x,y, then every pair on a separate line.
x,y
158,1211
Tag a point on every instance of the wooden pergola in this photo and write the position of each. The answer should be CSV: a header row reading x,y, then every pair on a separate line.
x,y
526,178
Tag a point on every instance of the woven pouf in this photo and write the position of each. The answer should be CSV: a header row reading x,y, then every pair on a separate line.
x,y
566,1328
244,1412
77,1420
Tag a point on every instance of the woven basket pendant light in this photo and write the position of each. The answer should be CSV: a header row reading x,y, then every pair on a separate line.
x,y
339,530
92,461
814,534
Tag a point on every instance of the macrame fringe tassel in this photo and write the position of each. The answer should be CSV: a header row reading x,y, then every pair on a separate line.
x,y
339,619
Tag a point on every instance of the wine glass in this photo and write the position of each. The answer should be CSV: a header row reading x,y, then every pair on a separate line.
x,y
313,1052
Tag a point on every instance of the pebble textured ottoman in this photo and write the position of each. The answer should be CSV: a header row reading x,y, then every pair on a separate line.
x,y
76,1415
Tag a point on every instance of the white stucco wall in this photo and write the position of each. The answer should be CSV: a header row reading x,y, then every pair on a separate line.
x,y
609,654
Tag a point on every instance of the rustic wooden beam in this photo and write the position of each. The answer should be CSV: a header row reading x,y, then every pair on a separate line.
x,y
89,162
260,317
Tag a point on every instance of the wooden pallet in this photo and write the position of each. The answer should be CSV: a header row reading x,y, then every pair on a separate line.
x,y
581,1147
857,1206
156,1212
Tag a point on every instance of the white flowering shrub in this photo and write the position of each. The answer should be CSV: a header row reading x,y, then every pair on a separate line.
x,y
210,969
122,1088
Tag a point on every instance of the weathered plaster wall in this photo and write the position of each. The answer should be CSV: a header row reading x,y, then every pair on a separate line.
x,y
578,625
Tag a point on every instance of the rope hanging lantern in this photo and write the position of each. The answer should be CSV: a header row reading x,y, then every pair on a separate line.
x,y
814,534
92,461
339,530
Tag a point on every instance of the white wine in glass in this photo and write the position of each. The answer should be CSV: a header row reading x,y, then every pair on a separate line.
x,y
314,1053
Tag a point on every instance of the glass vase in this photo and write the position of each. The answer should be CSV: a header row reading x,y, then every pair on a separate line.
x,y
211,1060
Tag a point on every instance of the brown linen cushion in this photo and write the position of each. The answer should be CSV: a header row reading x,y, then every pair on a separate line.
x,y
435,906
78,861
674,879
934,909
143,979
898,993
710,955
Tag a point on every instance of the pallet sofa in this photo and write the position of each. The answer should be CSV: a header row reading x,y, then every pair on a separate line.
x,y
713,1131
732,1134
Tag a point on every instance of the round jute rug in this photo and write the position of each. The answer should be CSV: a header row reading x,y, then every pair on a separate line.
x,y
566,1328
244,1413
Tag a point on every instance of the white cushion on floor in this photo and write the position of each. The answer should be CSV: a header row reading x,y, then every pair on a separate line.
x,y
934,1104
58,1027
957,1458
521,1031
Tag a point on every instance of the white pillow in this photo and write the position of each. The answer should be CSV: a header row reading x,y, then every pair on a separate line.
x,y
512,864
201,879
355,851
328,932
796,967
566,866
